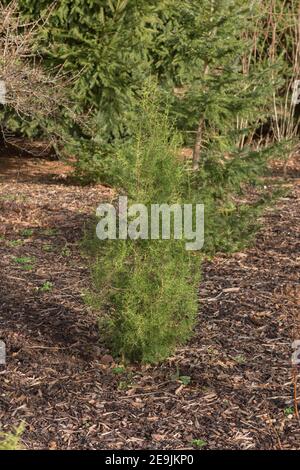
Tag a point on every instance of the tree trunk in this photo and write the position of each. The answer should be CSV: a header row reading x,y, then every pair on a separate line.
x,y
199,135
198,145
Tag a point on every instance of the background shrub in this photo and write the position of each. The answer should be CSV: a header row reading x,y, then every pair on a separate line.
x,y
220,64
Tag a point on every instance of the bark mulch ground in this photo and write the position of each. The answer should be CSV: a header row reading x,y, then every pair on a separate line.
x,y
230,387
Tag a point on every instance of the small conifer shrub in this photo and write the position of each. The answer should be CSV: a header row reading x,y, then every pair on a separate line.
x,y
146,290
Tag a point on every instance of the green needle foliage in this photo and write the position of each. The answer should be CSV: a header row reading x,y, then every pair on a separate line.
x,y
11,441
146,289
202,49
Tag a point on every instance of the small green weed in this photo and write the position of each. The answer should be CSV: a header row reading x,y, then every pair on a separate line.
x,y
27,232
15,243
289,411
240,359
46,287
199,443
66,251
25,262
118,370
47,247
50,232
185,379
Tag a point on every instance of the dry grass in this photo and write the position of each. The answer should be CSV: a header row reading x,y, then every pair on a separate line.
x,y
30,91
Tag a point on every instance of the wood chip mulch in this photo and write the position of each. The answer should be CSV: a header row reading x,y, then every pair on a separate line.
x,y
231,386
